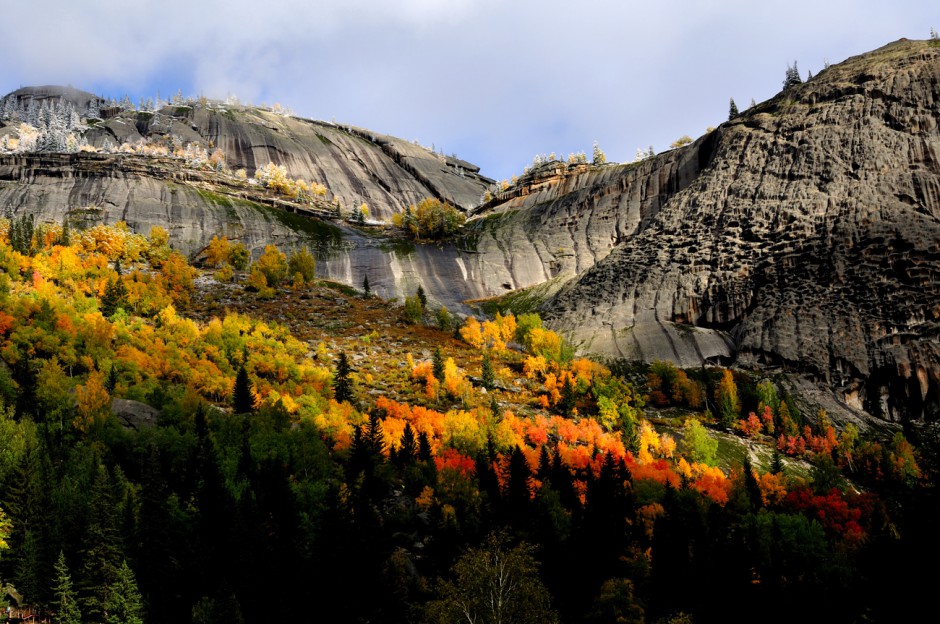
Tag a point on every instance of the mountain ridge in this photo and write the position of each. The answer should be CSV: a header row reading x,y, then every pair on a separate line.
x,y
803,235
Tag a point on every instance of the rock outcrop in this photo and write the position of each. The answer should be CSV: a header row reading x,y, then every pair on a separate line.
x,y
811,241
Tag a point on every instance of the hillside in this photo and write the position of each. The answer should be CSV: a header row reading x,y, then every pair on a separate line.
x,y
801,237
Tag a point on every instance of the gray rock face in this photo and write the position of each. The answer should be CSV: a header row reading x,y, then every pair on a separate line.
x,y
134,414
357,166
812,239
144,192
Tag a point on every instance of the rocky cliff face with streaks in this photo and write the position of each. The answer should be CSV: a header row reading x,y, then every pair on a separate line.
x,y
810,242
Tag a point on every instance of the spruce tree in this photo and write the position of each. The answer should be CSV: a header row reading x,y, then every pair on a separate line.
x,y
65,238
438,364
124,604
102,548
423,298
66,603
242,401
792,77
568,397
408,447
488,377
115,296
375,437
342,384
424,447
732,110
365,286
111,382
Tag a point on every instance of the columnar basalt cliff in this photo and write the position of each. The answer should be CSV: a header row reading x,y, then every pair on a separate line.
x,y
804,235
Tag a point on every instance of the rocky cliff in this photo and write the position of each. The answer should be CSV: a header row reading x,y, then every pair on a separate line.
x,y
810,242
355,165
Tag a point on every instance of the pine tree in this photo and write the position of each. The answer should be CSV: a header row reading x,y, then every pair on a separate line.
x,y
776,465
518,490
487,375
408,447
423,298
22,229
599,156
242,400
111,381
115,295
375,437
365,286
424,447
65,238
732,110
124,604
102,550
568,396
66,603
792,77
342,384
438,364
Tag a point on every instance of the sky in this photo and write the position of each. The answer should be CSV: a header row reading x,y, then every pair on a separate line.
x,y
494,82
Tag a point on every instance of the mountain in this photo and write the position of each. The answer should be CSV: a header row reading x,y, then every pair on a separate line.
x,y
801,237
810,238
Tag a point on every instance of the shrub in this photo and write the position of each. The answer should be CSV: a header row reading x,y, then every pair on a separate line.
x,y
302,262
413,310
429,218
273,263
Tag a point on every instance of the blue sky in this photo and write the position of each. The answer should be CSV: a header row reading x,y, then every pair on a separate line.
x,y
494,82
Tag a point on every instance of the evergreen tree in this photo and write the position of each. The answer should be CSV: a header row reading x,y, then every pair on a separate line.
x,y
374,438
111,382
124,605
342,384
424,447
65,238
115,295
438,364
568,396
66,603
792,77
102,548
487,375
21,234
518,490
599,157
365,286
408,447
753,104
423,298
732,110
242,400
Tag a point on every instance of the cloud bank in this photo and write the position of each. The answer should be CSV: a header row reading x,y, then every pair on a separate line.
x,y
494,82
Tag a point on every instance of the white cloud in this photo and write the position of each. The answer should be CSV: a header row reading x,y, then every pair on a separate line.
x,y
494,81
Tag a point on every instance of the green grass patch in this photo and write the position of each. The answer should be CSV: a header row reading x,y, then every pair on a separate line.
x,y
324,140
341,288
731,451
522,300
